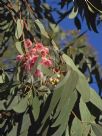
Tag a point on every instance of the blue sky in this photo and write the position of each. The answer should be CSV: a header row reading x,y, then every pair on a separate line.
x,y
95,39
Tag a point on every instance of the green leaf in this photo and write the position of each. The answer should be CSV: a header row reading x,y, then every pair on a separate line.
x,y
19,29
76,128
67,131
2,105
85,113
83,89
26,123
25,133
57,94
13,131
2,77
64,115
73,13
71,64
55,98
90,8
45,70
86,129
66,111
46,6
41,27
5,26
82,85
45,131
12,102
100,120
2,123
95,99
36,107
67,91
54,28
92,132
60,130
19,47
18,75
79,128
22,105
86,117
97,129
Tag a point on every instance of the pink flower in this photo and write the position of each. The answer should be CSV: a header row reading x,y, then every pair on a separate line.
x,y
46,62
38,73
30,58
27,66
27,43
46,49
39,46
41,49
19,57
44,52
33,51
33,60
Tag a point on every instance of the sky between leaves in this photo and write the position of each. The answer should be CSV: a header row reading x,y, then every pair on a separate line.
x,y
95,39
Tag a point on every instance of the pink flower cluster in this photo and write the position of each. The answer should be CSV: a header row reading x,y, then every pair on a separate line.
x,y
27,43
29,59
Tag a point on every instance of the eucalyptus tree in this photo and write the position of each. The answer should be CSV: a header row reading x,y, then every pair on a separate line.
x,y
48,92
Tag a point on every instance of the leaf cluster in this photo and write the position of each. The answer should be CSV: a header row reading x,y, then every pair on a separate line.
x,y
34,106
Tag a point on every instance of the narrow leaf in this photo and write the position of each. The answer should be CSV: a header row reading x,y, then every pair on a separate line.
x,y
21,106
26,123
73,13
36,107
95,99
83,88
13,131
65,112
19,48
97,129
19,29
55,98
64,115
85,114
41,27
67,91
76,129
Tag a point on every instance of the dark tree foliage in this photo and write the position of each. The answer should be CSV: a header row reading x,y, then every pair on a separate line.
x,y
58,101
78,10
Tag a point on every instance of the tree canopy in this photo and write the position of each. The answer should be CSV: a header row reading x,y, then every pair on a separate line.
x,y
45,82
